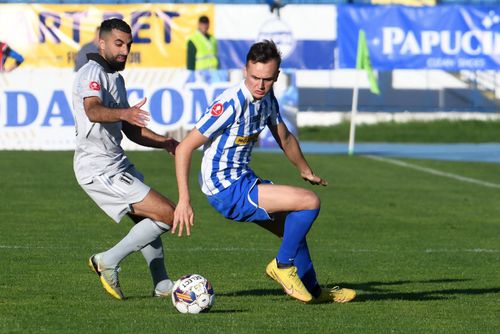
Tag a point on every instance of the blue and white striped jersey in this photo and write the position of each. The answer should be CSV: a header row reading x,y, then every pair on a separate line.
x,y
233,124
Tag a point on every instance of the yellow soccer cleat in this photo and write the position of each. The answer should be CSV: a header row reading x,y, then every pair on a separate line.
x,y
334,295
289,280
108,277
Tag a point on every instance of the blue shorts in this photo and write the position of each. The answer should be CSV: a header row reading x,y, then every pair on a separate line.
x,y
240,200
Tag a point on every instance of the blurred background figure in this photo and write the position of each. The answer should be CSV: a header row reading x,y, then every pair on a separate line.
x,y
5,53
202,48
275,6
90,47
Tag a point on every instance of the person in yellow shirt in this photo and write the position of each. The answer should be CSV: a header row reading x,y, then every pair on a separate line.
x,y
202,48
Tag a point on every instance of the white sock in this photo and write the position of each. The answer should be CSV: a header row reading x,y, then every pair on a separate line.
x,y
139,236
153,253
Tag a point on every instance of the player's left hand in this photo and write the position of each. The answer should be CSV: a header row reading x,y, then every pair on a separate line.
x,y
313,179
170,145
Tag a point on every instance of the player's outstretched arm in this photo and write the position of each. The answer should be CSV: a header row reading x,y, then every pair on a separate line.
x,y
147,137
184,214
291,147
98,113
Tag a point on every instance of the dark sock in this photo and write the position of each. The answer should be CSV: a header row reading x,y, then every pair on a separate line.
x,y
283,265
316,291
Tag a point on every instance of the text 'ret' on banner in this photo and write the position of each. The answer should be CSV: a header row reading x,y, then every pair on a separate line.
x,y
50,35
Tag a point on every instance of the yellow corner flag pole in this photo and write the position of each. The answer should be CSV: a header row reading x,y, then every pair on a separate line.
x,y
362,63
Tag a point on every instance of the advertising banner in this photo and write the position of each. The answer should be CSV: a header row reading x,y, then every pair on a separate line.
x,y
51,35
39,116
305,34
443,37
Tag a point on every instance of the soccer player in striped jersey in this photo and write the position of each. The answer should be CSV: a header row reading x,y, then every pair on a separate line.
x,y
103,170
229,130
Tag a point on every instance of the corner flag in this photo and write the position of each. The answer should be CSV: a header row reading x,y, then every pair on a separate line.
x,y
363,62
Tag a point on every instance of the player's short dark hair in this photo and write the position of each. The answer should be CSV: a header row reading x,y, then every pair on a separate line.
x,y
204,19
263,52
114,23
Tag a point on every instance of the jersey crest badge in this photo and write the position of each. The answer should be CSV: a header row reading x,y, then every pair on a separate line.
x,y
94,86
217,110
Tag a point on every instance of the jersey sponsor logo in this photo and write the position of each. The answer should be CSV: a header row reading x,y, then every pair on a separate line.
x,y
217,109
94,86
244,140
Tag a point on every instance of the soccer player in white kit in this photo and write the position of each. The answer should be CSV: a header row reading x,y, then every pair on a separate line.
x,y
103,170
229,130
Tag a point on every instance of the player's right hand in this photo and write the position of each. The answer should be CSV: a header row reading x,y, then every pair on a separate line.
x,y
183,218
135,115
310,177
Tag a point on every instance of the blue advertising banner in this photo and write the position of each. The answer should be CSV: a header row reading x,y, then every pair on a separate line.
x,y
443,37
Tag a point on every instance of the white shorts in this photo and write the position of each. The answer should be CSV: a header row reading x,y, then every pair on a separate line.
x,y
116,194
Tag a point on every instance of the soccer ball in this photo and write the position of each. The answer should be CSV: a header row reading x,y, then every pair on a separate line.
x,y
193,294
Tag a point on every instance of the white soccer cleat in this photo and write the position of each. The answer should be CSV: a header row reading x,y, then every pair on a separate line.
x,y
165,290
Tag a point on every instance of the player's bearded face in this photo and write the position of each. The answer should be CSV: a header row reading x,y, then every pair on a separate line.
x,y
116,47
260,77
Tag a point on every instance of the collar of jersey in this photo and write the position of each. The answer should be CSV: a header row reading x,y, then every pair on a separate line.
x,y
101,61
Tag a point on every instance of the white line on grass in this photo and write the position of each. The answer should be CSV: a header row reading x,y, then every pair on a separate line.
x,y
257,250
435,172
474,250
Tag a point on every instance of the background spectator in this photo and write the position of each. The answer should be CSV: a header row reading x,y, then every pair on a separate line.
x,y
202,48
90,47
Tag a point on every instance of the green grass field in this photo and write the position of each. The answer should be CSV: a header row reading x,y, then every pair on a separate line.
x,y
442,131
423,252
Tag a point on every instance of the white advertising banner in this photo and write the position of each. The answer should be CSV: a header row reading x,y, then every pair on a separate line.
x,y
36,111
36,104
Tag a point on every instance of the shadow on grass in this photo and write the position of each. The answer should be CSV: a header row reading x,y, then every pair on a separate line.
x,y
138,297
425,295
255,292
380,291
226,311
378,286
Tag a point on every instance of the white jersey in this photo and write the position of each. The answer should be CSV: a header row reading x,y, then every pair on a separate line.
x,y
233,124
98,150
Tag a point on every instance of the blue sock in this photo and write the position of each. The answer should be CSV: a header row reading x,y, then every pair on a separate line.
x,y
305,269
297,224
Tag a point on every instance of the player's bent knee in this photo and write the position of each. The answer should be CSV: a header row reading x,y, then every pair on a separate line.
x,y
311,201
165,213
167,218
164,227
